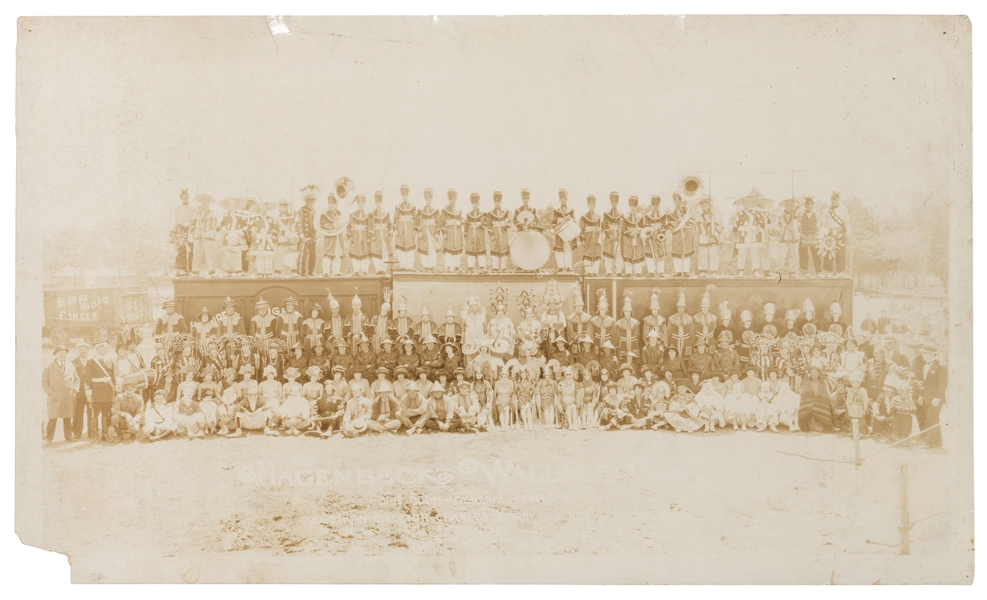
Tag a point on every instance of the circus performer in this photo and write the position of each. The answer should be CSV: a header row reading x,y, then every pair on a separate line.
x,y
738,405
546,391
816,406
711,405
567,399
503,397
524,391
474,325
683,412
766,413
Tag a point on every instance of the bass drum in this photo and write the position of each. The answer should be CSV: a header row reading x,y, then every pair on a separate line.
x,y
530,250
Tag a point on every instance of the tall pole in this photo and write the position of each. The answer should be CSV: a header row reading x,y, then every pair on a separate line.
x,y
855,424
906,526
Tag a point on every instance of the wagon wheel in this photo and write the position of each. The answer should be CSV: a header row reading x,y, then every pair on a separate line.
x,y
59,337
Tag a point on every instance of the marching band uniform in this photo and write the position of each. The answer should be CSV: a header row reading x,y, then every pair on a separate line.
x,y
331,227
450,331
427,233
364,358
808,316
745,334
524,208
305,226
426,327
708,231
835,318
611,222
631,246
563,249
287,239
629,333
263,243
203,329
654,248
836,220
387,357
591,238
703,363
602,322
381,324
312,329
401,325
750,227
680,223
229,321
476,235
358,236
290,321
499,220
678,330
654,321
405,217
653,356
450,223
380,240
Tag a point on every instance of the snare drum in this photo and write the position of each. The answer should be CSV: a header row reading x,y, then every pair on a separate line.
x,y
569,231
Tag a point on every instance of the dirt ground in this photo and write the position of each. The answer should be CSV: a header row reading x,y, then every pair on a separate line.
x,y
193,504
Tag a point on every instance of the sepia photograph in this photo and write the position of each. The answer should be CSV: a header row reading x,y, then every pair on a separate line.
x,y
476,299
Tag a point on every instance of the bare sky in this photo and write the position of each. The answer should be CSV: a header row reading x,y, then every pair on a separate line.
x,y
125,112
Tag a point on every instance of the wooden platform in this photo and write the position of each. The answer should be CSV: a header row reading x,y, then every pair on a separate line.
x,y
441,291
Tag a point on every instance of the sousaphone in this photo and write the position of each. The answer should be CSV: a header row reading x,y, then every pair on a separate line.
x,y
344,186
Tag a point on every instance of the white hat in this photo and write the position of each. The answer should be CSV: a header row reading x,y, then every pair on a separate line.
x,y
835,308
436,387
725,312
769,309
746,316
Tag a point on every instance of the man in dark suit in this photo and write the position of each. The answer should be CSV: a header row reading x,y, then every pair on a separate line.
x,y
81,364
101,377
932,395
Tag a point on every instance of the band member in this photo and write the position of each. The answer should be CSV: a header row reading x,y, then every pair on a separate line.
x,y
835,318
704,322
332,229
629,333
520,223
836,220
358,237
312,328
808,230
334,331
405,216
305,227
678,330
290,323
708,231
631,244
476,235
204,327
499,220
229,321
726,358
287,239
602,323
681,228
655,248
653,320
184,216
263,242
563,249
203,234
428,237
653,353
611,223
808,316
264,326
356,324
578,323
591,238
450,227
750,231
171,322
788,241
381,239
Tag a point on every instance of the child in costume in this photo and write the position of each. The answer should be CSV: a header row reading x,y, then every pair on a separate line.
x,y
766,413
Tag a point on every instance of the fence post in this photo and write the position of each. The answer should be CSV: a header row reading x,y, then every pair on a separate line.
x,y
906,526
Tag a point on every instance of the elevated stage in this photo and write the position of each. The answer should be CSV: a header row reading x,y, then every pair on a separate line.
x,y
441,291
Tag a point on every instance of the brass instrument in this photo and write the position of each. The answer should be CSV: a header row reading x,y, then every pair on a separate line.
x,y
691,187
344,185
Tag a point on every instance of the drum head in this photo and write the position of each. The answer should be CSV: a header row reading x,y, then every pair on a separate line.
x,y
530,250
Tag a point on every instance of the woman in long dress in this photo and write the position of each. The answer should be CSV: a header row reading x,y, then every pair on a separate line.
x,y
816,406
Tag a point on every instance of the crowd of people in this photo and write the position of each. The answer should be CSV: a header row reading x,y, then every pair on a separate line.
x,y
259,239
354,374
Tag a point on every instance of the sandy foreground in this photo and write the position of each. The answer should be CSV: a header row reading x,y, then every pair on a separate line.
x,y
547,505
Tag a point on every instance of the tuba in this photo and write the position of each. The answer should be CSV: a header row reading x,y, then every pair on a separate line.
x,y
691,187
344,185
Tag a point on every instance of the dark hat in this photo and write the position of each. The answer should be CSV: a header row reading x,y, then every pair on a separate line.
x,y
498,196
428,192
169,304
379,195
383,370
331,198
401,370
405,188
451,194
58,349
310,198
655,200
563,193
683,382
525,193
339,369
420,371
590,199
614,195
930,348
474,197
459,371
632,201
